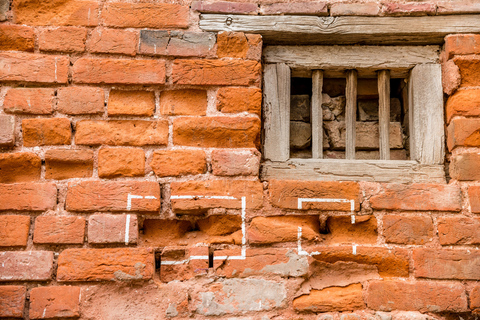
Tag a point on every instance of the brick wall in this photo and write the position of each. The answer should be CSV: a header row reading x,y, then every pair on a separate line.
x,y
129,153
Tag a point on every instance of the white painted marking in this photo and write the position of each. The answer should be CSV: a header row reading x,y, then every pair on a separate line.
x,y
354,249
154,48
150,197
127,229
133,196
300,251
56,69
353,219
204,197
89,11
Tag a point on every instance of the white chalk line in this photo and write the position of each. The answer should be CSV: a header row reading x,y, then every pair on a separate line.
x,y
127,229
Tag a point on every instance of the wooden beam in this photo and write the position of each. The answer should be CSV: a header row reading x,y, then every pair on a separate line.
x,y
350,114
384,113
349,29
317,114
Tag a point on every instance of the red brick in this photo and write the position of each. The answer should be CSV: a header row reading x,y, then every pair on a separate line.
x,y
184,102
462,44
80,100
463,132
59,230
232,45
120,71
285,194
66,164
422,197
134,103
464,103
44,132
190,44
15,231
355,9
18,265
409,9
464,167
264,230
19,167
474,197
112,196
16,38
235,162
55,302
331,299
28,196
216,72
458,230
154,42
29,100
407,230
217,132
122,132
236,100
456,7
342,230
183,271
224,7
252,190
474,298
113,41
446,264
301,8
168,163
12,301
162,233
108,228
146,15
451,78
65,39
416,296
29,67
121,162
389,262
7,131
105,264
469,70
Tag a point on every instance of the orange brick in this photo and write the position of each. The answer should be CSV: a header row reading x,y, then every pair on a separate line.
x,y
105,264
264,230
463,132
15,231
331,299
474,298
161,233
80,100
122,132
186,270
59,230
66,164
469,70
135,103
109,228
17,265
17,38
65,39
12,301
146,15
217,132
216,72
464,167
463,103
121,162
184,102
113,41
458,264
29,67
19,167
342,230
474,197
29,100
7,131
458,230
55,302
407,230
28,196
462,44
235,100
232,45
167,163
121,71
43,132
235,162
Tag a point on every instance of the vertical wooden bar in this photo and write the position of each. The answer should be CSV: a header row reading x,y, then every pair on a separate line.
x,y
350,114
317,114
384,113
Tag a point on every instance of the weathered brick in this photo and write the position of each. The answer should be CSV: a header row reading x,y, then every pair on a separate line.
x,y
184,102
389,262
12,301
7,131
463,103
458,230
108,228
146,15
28,196
186,270
469,70
59,230
409,9
252,190
407,230
235,162
474,298
285,194
464,166
463,132
216,72
113,196
462,44
355,9
66,164
58,12
420,197
331,299
105,264
154,42
65,39
232,45
113,41
264,230
416,296
55,302
162,233
80,100
4,8
217,132
29,100
456,7
19,167
446,264
342,230
43,132
121,162
451,78
235,100
225,7
168,163
14,231
29,67
135,103
122,132
121,71
17,38
474,197
301,8
191,44
17,265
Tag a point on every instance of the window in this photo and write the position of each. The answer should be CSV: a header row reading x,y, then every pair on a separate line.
x,y
408,124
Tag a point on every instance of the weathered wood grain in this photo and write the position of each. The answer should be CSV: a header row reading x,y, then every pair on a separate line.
x,y
384,113
350,114
317,114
